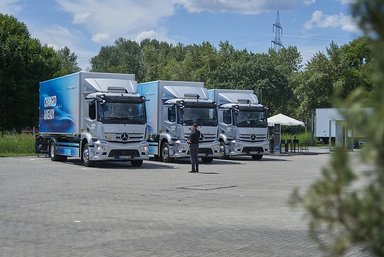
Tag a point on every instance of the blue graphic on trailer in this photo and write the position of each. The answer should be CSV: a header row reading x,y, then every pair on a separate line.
x,y
59,104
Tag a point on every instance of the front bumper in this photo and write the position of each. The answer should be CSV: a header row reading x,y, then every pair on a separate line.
x,y
247,148
104,151
206,149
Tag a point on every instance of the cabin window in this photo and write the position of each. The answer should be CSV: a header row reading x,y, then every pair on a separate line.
x,y
172,113
227,116
92,110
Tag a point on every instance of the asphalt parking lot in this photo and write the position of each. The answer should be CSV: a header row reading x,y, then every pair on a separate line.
x,y
231,208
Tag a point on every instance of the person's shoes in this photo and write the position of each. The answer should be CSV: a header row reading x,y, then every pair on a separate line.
x,y
197,170
192,171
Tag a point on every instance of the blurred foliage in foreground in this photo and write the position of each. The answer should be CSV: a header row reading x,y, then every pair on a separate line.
x,y
345,205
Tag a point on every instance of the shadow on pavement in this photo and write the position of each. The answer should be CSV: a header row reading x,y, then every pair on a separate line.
x,y
147,164
208,173
264,159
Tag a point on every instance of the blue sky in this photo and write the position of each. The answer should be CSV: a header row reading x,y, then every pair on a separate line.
x,y
86,25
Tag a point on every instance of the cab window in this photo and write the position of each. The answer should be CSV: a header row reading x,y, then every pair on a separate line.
x,y
172,113
227,116
92,110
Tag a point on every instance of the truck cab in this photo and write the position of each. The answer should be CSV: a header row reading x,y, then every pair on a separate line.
x,y
116,121
243,126
94,116
172,107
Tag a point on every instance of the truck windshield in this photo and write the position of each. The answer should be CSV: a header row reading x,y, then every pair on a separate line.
x,y
121,113
251,118
204,116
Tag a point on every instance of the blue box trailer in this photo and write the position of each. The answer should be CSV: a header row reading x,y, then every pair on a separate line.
x,y
94,116
59,105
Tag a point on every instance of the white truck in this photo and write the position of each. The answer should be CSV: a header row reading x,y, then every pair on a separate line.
x,y
94,116
172,107
243,126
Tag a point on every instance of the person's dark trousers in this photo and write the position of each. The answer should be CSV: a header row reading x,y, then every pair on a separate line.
x,y
194,148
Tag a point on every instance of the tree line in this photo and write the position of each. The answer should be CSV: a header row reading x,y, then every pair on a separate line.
x,y
280,79
24,62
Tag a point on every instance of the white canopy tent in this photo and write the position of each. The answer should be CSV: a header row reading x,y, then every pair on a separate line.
x,y
284,120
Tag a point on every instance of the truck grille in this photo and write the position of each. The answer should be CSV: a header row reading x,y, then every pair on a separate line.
x,y
252,137
206,151
124,137
204,138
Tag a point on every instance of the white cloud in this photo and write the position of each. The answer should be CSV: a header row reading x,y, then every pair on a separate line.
x,y
109,20
58,37
10,6
242,6
100,38
160,35
320,20
79,18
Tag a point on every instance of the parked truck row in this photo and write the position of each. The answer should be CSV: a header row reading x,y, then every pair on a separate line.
x,y
104,116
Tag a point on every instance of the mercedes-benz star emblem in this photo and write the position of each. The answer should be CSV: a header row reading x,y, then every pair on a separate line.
x,y
253,137
124,136
201,137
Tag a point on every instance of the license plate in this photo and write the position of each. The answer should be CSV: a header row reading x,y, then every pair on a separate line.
x,y
125,157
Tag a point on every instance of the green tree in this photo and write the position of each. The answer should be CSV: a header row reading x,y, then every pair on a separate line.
x,y
335,73
124,57
313,87
286,63
67,62
23,63
346,204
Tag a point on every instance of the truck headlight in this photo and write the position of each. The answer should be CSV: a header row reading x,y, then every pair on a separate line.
x,y
100,148
234,144
181,145
144,149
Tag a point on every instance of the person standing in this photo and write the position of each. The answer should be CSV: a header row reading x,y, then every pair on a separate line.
x,y
193,141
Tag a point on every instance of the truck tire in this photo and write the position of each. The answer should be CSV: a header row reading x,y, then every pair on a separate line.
x,y
207,159
165,153
257,156
85,156
223,154
53,155
137,163
41,145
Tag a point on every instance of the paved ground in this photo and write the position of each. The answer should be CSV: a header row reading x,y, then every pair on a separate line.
x,y
232,208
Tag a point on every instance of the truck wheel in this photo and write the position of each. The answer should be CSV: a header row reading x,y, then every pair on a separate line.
x,y
207,159
165,153
223,154
137,163
257,156
52,153
41,145
85,156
